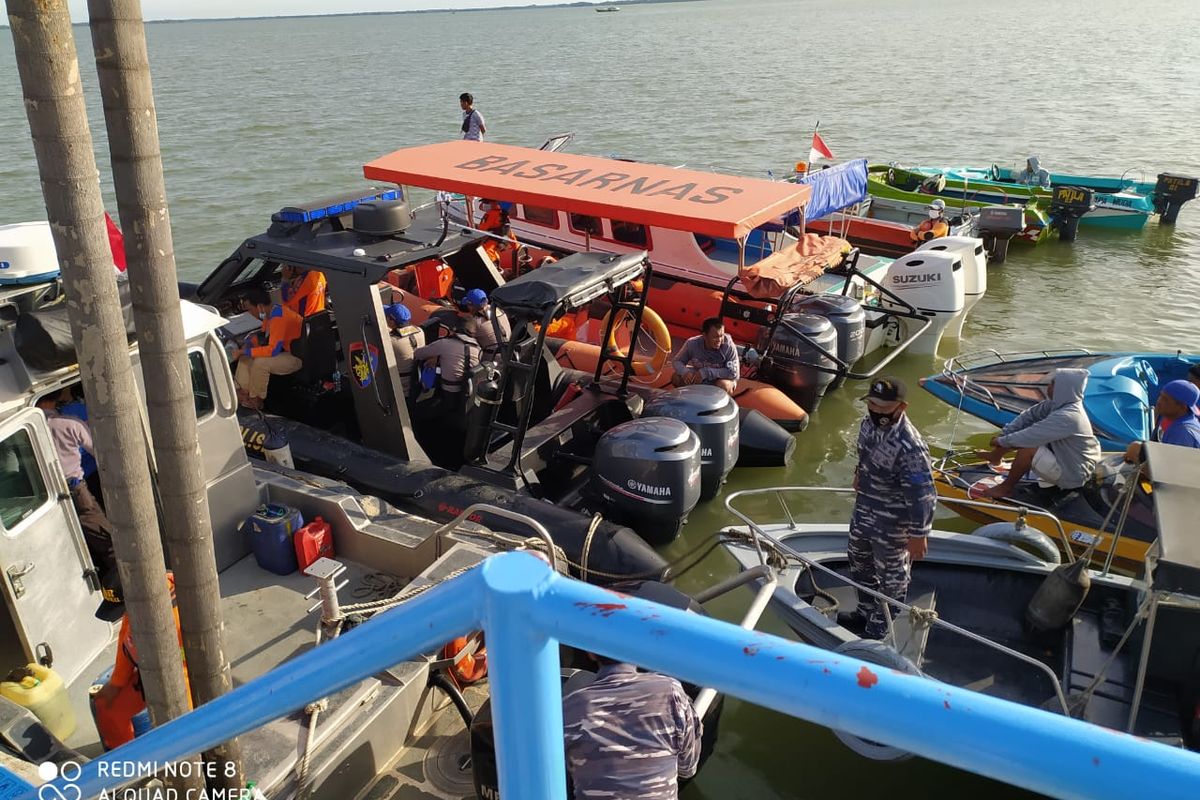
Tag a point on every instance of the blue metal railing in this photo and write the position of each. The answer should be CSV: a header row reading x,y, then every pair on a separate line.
x,y
525,609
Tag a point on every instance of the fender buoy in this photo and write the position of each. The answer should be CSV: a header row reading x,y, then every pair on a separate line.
x,y
653,323
884,655
470,668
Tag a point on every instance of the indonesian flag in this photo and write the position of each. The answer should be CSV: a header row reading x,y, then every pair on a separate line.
x,y
116,243
818,149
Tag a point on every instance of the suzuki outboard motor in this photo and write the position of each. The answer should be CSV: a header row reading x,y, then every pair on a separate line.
x,y
646,473
713,416
974,260
1067,207
998,225
932,283
794,353
483,736
849,320
1170,193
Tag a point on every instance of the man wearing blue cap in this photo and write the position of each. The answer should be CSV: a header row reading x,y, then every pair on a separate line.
x,y
477,321
1177,422
405,341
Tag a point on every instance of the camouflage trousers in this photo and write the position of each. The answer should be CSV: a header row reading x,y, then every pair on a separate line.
x,y
879,561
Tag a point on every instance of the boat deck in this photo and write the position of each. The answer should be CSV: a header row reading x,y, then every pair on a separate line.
x,y
364,727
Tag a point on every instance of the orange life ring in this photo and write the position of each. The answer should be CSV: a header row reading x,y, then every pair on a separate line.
x,y
658,330
470,667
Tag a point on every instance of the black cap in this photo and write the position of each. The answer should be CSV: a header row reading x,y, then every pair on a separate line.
x,y
887,389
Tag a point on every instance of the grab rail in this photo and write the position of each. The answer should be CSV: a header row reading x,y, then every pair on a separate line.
x,y
757,531
954,368
525,610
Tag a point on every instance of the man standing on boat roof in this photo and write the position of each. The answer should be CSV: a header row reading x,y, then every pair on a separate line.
x,y
710,358
473,127
1053,438
893,507
1177,423
1033,174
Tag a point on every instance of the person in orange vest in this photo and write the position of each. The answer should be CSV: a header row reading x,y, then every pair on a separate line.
x,y
266,352
935,227
303,290
122,697
495,222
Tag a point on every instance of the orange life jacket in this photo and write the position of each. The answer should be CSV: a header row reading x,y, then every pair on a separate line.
x,y
309,297
282,327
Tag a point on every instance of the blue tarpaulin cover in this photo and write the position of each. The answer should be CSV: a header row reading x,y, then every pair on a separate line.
x,y
835,188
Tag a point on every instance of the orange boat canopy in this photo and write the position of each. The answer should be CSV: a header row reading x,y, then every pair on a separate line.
x,y
707,203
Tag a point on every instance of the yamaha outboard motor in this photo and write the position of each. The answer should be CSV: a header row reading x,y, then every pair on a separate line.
x,y
713,416
794,354
483,737
1170,193
1067,208
849,320
974,260
932,283
646,473
998,225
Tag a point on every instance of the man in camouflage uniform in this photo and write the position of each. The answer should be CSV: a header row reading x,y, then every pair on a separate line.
x,y
893,510
630,735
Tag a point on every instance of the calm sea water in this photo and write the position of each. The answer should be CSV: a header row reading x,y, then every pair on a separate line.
x,y
258,114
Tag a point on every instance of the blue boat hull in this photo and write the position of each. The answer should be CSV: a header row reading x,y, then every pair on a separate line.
x,y
1120,395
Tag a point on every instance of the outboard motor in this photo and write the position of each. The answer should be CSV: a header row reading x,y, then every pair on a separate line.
x,y
932,283
974,260
998,225
794,353
646,474
849,321
1067,208
713,416
483,736
1170,193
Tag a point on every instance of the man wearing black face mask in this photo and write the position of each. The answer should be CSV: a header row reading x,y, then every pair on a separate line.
x,y
893,510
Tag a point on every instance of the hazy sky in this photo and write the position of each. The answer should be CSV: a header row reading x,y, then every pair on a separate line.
x,y
186,9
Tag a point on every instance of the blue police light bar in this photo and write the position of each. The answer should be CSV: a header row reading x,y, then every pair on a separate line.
x,y
333,206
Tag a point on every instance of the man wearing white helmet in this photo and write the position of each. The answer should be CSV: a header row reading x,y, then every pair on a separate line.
x,y
935,227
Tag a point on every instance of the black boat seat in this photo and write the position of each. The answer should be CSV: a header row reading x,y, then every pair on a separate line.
x,y
317,348
554,426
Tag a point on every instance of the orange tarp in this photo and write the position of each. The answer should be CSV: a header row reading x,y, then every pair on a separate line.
x,y
650,194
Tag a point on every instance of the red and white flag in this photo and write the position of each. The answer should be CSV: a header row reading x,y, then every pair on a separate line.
x,y
818,149
116,243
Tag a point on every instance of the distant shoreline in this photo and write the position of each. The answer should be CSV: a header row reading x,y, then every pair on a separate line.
x,y
409,11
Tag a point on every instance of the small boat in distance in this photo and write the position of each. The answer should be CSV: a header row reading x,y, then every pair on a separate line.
x,y
604,9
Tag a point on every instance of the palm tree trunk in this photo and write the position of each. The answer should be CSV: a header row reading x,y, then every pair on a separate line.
x,y
54,103
123,65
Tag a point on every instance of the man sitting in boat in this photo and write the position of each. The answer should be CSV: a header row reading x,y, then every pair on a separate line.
x,y
1053,438
303,290
630,734
1177,422
935,227
709,358
1033,174
406,339
477,322
266,352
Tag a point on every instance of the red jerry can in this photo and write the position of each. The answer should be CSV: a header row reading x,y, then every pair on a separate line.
x,y
313,541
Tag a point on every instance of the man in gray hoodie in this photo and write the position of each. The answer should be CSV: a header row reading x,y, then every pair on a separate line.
x,y
1053,438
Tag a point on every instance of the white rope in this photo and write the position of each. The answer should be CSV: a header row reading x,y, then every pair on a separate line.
x,y
302,778
587,547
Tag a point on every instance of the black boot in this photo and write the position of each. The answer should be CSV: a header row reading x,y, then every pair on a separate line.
x,y
853,621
